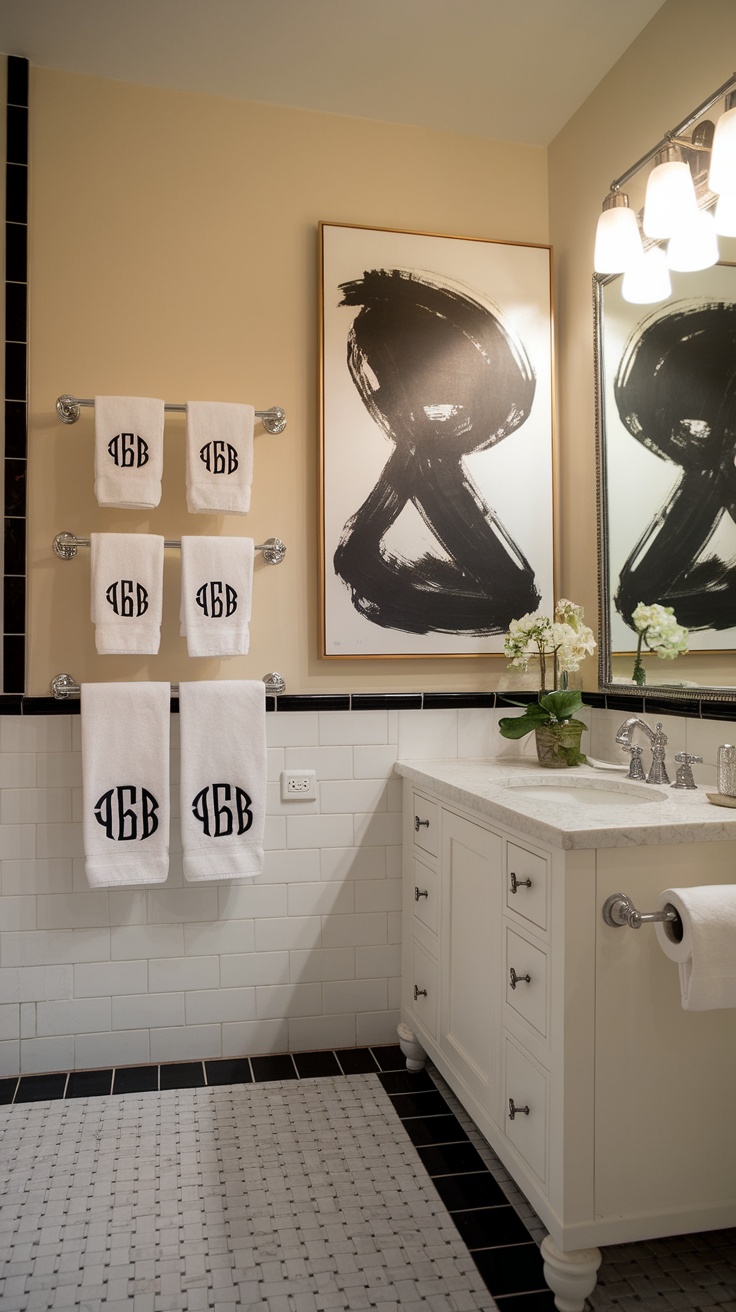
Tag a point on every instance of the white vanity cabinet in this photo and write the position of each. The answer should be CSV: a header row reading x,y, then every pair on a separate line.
x,y
565,1038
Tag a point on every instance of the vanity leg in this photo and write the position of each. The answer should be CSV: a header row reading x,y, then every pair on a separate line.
x,y
571,1276
411,1048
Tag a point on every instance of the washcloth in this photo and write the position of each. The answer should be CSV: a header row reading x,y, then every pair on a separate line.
x,y
219,457
127,572
129,450
706,953
125,782
216,592
223,778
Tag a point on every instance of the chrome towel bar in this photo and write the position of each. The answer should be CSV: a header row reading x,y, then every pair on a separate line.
x,y
67,408
619,910
65,546
63,686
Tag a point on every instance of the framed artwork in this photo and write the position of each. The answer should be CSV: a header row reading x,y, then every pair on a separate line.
x,y
437,461
667,428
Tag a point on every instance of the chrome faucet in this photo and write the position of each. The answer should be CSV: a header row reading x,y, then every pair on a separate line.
x,y
658,739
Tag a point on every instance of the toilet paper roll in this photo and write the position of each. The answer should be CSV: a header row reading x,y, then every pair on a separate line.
x,y
706,953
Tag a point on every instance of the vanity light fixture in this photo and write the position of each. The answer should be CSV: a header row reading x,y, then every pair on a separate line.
x,y
691,176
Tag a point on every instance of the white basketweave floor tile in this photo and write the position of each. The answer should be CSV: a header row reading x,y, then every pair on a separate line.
x,y
299,1196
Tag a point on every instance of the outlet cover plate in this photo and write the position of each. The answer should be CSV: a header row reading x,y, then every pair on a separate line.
x,y
298,785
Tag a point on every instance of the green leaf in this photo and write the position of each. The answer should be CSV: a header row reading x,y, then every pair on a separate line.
x,y
561,705
518,727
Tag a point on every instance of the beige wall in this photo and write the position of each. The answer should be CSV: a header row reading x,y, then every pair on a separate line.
x,y
682,56
174,254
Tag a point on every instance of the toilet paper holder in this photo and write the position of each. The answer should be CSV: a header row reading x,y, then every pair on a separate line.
x,y
619,910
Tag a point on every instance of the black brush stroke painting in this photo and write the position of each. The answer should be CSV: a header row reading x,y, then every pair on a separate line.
x,y
675,390
443,376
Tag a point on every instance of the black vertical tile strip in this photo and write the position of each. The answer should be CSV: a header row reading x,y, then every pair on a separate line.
x,y
16,377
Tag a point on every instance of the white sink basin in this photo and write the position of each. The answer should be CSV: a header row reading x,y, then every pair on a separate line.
x,y
586,792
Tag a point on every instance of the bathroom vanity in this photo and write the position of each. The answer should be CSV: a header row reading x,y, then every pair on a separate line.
x,y
564,1037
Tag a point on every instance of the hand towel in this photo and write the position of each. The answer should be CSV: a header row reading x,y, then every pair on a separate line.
x,y
127,572
219,457
706,954
129,450
223,778
125,782
216,592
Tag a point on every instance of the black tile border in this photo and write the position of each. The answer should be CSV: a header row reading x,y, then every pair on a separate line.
x,y
506,1256
17,704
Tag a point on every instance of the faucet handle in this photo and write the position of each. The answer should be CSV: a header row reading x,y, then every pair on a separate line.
x,y
636,769
684,776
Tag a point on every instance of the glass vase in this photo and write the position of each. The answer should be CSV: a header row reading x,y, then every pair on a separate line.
x,y
558,745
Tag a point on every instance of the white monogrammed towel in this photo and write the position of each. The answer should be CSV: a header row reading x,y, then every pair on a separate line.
x,y
127,592
125,782
129,450
216,590
219,457
223,778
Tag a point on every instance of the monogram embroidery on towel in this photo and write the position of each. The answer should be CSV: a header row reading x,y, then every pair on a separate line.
x,y
222,810
125,819
211,600
128,599
219,457
128,450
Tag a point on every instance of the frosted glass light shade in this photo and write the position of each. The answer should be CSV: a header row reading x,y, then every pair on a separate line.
x,y
725,215
670,199
617,240
648,280
722,173
694,246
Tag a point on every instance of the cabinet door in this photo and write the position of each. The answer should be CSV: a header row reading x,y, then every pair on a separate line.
x,y
472,892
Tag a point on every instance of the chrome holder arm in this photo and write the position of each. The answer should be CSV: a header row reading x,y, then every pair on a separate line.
x,y
619,911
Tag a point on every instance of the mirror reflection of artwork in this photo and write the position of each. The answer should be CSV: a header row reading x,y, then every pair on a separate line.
x,y
675,392
668,431
436,442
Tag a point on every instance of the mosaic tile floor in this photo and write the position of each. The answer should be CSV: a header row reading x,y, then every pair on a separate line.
x,y
287,1184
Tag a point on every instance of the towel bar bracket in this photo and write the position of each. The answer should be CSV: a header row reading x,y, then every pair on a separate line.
x,y
68,410
65,547
619,911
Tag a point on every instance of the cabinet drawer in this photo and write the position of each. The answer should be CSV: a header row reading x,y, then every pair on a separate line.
x,y
526,987
526,1109
423,987
526,884
425,895
426,825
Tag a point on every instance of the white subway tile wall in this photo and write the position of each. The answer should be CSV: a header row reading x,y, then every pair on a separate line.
x,y
306,956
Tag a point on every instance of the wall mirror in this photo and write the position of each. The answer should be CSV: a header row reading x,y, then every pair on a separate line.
x,y
666,440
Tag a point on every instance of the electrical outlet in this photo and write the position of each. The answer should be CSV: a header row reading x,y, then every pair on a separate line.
x,y
298,785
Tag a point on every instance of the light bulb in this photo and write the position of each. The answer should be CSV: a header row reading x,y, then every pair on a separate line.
x,y
694,246
617,240
648,279
722,173
725,215
670,199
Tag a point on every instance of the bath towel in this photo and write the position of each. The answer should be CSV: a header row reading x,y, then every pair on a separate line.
x,y
216,590
127,592
223,778
219,457
706,953
129,451
125,782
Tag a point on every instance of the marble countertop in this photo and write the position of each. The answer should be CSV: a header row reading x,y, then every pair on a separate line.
x,y
520,795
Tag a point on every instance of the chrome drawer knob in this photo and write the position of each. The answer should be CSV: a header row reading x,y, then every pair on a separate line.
x,y
516,1111
418,823
518,979
420,892
419,993
519,883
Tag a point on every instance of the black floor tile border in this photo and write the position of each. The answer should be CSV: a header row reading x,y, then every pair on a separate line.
x,y
499,1243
